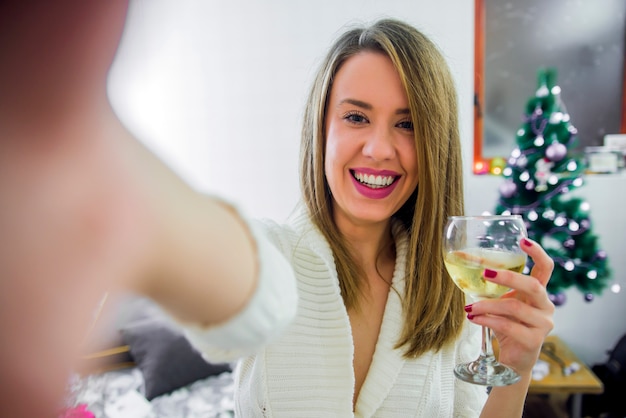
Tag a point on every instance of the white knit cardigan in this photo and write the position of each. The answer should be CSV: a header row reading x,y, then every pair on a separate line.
x,y
307,371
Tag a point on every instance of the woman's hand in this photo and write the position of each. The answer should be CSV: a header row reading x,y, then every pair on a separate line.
x,y
522,318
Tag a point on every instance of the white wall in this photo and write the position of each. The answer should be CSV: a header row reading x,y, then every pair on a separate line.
x,y
217,89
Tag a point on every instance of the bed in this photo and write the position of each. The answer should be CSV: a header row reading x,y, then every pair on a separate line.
x,y
120,394
140,365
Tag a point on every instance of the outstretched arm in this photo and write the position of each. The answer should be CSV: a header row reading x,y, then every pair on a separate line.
x,y
85,208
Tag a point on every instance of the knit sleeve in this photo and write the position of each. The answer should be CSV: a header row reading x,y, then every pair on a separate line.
x,y
270,310
469,398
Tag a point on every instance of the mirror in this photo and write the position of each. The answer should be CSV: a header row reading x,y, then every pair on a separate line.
x,y
583,40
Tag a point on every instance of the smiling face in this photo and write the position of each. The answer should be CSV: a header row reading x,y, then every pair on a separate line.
x,y
371,159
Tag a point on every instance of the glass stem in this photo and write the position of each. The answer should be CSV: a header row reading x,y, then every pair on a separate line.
x,y
487,348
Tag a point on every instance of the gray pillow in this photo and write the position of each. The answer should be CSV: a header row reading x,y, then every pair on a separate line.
x,y
165,357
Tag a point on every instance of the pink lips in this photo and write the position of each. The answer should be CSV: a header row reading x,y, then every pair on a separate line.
x,y
370,193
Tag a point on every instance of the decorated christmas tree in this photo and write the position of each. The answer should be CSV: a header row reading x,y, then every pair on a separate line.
x,y
539,175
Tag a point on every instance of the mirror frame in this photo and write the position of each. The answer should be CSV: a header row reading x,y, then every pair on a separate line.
x,y
481,164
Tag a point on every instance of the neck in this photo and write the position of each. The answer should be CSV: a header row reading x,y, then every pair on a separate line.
x,y
369,244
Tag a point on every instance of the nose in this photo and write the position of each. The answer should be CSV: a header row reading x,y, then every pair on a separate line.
x,y
379,145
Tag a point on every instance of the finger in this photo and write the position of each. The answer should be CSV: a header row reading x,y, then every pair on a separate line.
x,y
527,287
499,311
505,328
519,345
543,263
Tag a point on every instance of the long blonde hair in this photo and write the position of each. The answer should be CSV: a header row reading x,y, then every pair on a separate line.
x,y
432,304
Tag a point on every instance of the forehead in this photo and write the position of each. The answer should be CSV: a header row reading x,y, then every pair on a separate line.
x,y
371,77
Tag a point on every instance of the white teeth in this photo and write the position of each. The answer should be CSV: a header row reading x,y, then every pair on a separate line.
x,y
374,181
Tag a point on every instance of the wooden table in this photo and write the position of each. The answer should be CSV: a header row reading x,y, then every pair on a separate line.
x,y
576,384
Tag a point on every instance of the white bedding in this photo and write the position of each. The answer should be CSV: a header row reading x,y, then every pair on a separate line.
x,y
118,394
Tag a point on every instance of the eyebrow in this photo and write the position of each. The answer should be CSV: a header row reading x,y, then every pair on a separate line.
x,y
367,106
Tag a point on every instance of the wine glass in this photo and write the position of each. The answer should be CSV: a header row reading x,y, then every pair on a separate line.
x,y
472,244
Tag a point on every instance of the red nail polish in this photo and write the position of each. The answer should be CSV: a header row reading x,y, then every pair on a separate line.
x,y
470,316
468,308
490,273
526,242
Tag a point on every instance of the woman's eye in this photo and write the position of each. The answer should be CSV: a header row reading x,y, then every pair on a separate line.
x,y
355,118
407,124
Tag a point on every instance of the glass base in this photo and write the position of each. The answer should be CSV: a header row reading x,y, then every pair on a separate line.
x,y
487,373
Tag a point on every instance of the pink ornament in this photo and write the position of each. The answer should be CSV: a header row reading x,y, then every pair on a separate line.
x,y
79,411
557,298
556,152
543,169
508,189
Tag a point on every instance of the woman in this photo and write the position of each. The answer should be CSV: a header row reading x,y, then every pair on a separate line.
x,y
380,324
88,209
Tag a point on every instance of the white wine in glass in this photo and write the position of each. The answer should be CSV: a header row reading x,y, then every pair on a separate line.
x,y
471,245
